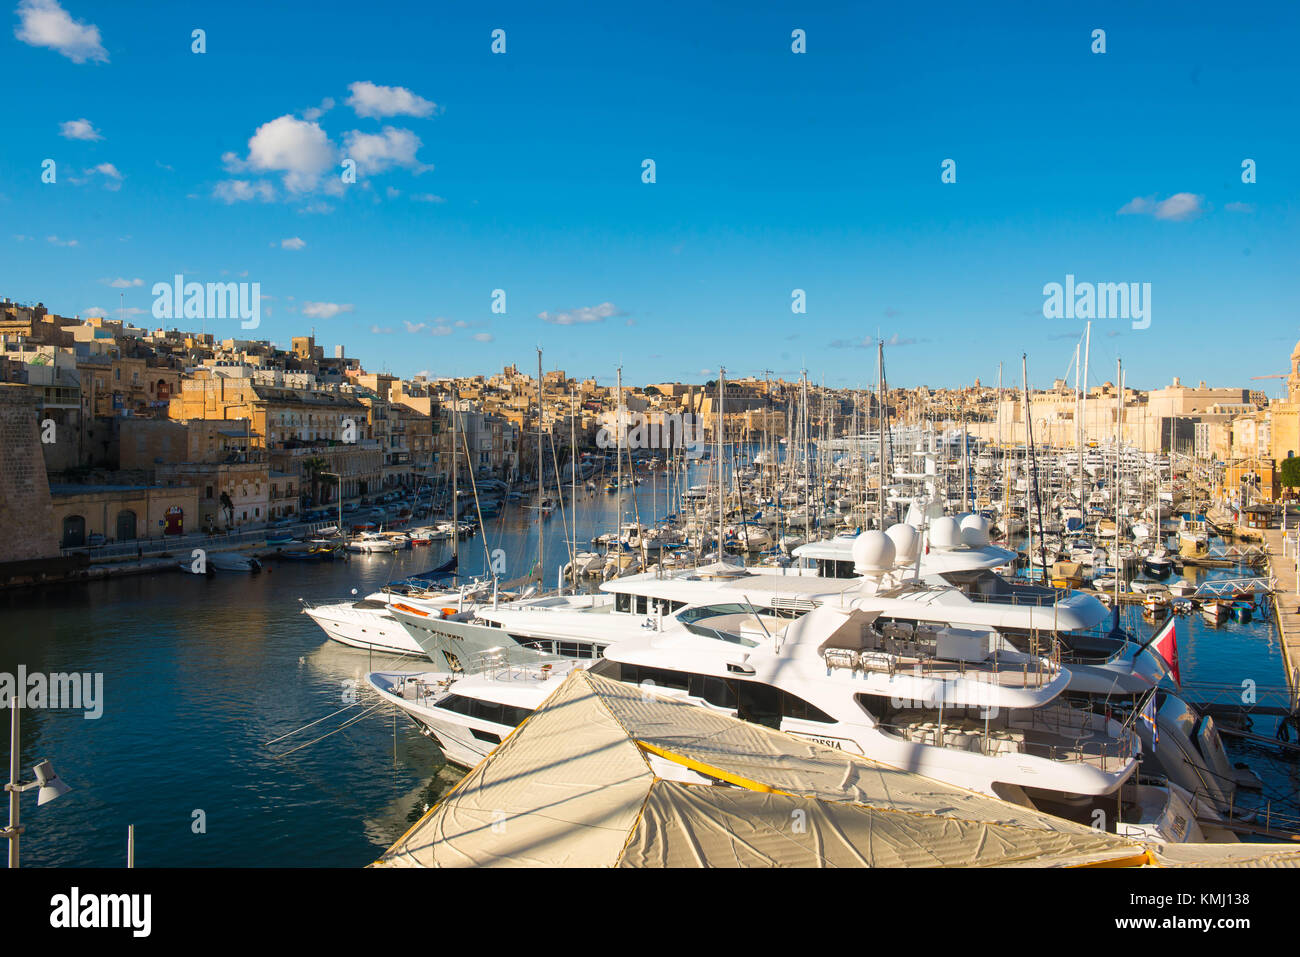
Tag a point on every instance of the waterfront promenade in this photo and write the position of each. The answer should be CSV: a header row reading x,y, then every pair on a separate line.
x,y
1286,598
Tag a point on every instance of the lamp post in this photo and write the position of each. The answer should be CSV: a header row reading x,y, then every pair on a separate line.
x,y
49,783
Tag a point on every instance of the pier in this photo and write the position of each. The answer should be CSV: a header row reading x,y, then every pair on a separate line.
x,y
1282,550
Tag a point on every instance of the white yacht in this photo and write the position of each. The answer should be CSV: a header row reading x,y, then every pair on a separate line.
x,y
369,622
942,700
962,590
372,542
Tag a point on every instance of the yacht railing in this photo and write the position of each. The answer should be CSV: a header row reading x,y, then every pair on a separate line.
x,y
891,662
515,664
971,734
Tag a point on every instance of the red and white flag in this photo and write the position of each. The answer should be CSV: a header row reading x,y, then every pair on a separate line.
x,y
1165,644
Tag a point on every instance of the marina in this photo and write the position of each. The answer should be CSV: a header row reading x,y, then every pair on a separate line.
x,y
314,729
712,439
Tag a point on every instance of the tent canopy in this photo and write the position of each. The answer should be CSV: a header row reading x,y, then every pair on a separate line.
x,y
604,774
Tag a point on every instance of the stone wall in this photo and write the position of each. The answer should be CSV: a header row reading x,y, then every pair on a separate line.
x,y
26,517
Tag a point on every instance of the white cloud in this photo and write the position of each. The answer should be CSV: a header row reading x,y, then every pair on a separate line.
x,y
316,112
393,192
427,198
241,190
441,329
124,283
581,315
1239,207
325,310
384,331
79,130
368,99
414,327
292,243
1179,207
299,149
54,240
110,173
46,24
94,311
483,337
377,152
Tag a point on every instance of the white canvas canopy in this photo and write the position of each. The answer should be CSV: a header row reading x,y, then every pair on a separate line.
x,y
606,775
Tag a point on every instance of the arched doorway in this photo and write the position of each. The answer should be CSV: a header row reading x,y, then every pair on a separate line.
x,y
126,525
74,531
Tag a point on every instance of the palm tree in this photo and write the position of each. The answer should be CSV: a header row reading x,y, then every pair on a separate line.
x,y
313,467
228,508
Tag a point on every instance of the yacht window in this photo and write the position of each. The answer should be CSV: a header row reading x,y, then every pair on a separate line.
x,y
642,605
753,700
484,710
622,602
485,735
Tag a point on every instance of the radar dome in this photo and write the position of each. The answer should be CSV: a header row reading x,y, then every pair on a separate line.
x,y
873,551
975,531
907,542
945,532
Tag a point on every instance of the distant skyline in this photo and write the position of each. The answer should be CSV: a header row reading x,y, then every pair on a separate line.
x,y
775,171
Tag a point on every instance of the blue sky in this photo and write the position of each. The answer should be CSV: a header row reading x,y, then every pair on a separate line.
x,y
775,171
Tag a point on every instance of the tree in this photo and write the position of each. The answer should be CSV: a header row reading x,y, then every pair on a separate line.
x,y
313,467
228,509
1290,473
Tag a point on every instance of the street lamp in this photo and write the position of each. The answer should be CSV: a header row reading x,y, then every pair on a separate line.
x,y
51,786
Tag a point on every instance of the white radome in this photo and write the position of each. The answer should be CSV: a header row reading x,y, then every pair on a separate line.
x,y
945,532
907,542
873,551
975,531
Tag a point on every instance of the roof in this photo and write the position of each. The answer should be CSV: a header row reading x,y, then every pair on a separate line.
x,y
605,774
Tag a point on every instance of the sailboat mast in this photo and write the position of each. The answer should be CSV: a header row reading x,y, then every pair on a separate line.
x,y
455,485
722,373
541,524
1083,404
880,436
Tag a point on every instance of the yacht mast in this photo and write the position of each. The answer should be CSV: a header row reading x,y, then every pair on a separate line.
x,y
1083,410
880,418
1119,420
455,509
722,373
541,524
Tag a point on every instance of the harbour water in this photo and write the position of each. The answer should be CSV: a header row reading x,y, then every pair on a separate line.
x,y
201,675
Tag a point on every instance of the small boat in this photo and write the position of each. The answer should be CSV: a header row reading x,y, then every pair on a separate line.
x,y
1155,605
1182,589
1158,564
220,562
1215,611
371,542
1242,611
